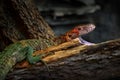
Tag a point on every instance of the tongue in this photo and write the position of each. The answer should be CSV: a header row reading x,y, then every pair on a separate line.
x,y
82,41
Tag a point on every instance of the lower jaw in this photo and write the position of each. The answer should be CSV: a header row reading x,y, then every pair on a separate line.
x,y
84,42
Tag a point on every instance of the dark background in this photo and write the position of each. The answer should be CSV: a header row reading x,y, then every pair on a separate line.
x,y
62,15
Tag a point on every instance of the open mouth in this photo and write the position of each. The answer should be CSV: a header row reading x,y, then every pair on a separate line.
x,y
84,42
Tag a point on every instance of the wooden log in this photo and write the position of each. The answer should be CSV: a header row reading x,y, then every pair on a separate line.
x,y
96,62
58,47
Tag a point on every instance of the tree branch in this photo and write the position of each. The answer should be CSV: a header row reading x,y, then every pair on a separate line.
x,y
96,62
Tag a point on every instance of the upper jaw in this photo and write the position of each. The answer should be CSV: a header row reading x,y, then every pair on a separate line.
x,y
87,29
91,27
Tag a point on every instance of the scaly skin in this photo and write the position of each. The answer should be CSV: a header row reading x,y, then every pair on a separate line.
x,y
17,52
76,32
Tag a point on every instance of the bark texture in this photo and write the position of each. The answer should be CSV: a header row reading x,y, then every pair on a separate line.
x,y
97,62
20,19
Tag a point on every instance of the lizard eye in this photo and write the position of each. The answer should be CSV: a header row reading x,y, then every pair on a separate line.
x,y
79,28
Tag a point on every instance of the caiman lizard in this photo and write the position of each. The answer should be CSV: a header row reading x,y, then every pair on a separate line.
x,y
21,50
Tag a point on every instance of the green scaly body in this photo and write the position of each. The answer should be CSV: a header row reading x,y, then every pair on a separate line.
x,y
17,52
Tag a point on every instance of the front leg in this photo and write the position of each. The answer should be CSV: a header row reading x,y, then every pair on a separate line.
x,y
29,59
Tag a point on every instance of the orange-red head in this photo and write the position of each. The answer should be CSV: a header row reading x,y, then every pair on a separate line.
x,y
84,29
81,30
